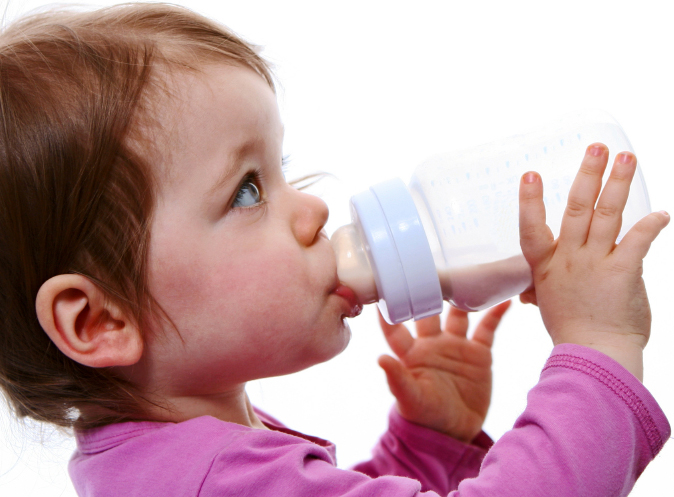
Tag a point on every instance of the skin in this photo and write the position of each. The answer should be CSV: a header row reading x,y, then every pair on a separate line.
x,y
241,265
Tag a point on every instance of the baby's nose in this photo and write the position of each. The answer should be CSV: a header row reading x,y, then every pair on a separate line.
x,y
310,216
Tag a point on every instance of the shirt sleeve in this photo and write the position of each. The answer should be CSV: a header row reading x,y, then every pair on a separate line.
x,y
589,428
439,462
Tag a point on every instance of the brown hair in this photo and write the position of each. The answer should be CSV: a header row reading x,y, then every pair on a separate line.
x,y
76,189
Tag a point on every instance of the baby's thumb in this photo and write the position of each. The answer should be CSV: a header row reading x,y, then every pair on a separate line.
x,y
535,235
400,381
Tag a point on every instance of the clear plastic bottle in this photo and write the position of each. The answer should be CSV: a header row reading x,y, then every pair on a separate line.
x,y
453,233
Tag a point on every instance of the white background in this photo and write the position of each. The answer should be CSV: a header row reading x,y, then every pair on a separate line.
x,y
371,88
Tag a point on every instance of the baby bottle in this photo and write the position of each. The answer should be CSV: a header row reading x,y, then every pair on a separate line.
x,y
452,233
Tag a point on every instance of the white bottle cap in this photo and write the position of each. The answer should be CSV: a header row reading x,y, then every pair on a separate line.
x,y
407,281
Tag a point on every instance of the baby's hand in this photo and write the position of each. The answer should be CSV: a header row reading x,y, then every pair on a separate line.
x,y
590,290
442,379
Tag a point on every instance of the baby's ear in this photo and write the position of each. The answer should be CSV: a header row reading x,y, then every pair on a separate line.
x,y
85,325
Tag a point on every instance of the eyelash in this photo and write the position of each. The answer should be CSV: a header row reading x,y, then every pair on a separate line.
x,y
285,162
255,178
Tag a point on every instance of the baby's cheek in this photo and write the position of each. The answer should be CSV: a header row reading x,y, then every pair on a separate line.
x,y
276,287
176,283
176,267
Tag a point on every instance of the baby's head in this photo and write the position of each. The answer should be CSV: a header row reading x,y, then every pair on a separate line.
x,y
144,214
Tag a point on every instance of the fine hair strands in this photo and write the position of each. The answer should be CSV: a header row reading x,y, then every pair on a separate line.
x,y
78,123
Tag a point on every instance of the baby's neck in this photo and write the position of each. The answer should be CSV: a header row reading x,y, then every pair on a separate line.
x,y
232,406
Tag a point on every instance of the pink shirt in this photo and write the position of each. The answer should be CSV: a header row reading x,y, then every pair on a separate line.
x,y
589,428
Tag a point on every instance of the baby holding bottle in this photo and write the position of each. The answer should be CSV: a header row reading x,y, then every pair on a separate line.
x,y
155,260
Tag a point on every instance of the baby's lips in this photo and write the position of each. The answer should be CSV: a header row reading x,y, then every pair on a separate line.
x,y
355,307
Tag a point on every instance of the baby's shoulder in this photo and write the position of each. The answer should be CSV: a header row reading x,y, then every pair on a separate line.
x,y
178,457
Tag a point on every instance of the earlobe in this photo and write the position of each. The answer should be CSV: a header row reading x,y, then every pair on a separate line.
x,y
85,325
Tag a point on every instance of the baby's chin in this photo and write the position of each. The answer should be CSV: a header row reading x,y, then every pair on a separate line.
x,y
347,335
330,347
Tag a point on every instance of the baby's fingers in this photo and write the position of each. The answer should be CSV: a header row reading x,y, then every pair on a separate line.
x,y
583,196
607,218
457,322
529,297
429,326
638,239
400,381
535,237
398,337
484,332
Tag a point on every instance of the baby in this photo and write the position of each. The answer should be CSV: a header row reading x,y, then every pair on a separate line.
x,y
155,260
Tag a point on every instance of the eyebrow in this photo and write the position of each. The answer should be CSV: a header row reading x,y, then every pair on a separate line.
x,y
228,174
231,172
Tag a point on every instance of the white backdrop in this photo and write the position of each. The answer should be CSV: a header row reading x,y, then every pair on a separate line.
x,y
371,88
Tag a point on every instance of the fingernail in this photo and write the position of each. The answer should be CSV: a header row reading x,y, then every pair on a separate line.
x,y
625,157
596,149
530,178
665,213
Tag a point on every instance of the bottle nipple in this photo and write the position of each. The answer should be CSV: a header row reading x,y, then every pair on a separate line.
x,y
384,256
353,267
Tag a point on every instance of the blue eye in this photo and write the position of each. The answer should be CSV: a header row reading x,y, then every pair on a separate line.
x,y
248,194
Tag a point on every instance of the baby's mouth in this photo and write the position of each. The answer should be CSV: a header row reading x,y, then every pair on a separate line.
x,y
355,307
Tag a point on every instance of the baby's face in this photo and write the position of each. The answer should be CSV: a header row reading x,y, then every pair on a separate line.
x,y
238,258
